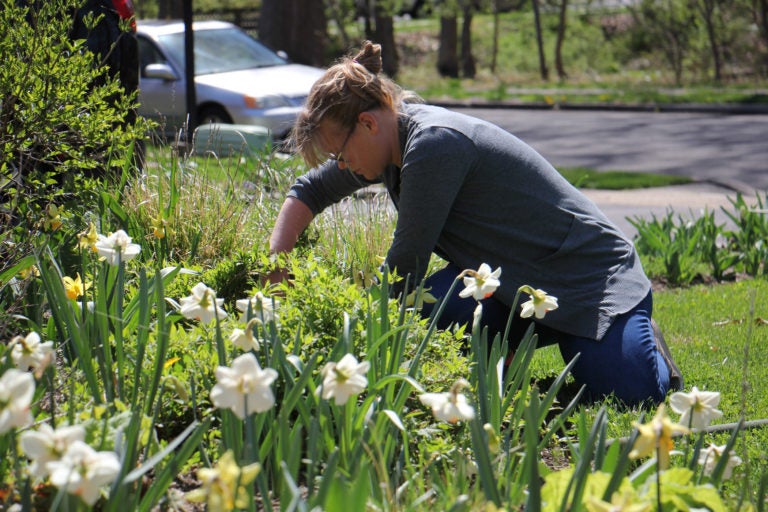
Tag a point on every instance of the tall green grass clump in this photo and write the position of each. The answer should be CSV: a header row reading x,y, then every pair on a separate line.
x,y
681,250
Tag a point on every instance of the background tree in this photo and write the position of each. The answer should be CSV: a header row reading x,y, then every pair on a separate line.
x,y
540,41
298,27
468,66
561,28
710,11
170,9
447,52
384,34
761,19
495,43
669,24
340,12
379,27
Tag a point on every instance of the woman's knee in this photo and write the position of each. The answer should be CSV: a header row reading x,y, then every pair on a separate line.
x,y
625,363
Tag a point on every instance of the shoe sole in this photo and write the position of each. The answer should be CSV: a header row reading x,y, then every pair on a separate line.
x,y
676,382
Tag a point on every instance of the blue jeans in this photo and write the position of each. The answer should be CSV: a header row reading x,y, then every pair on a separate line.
x,y
625,363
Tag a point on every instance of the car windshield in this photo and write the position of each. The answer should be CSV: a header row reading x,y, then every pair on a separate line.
x,y
221,50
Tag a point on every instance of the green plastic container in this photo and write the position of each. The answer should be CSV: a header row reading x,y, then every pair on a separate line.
x,y
231,139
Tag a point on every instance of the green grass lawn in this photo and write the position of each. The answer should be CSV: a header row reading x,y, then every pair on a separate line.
x,y
583,177
718,335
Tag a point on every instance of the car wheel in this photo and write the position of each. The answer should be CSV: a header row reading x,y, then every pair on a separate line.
x,y
210,115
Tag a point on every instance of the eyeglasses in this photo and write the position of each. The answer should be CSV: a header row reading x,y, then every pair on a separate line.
x,y
338,156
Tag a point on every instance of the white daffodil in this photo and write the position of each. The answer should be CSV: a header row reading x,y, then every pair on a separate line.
x,y
83,471
245,387
697,408
28,352
244,339
450,406
117,247
46,445
202,305
481,283
540,303
262,308
344,379
16,391
709,458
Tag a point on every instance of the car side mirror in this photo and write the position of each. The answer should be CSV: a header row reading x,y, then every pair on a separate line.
x,y
283,55
162,71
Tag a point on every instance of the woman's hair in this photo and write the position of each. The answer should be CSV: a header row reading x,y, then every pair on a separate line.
x,y
351,86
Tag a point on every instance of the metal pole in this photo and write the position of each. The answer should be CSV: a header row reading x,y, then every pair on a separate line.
x,y
189,68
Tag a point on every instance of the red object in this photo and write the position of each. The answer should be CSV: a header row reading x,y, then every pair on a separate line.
x,y
125,10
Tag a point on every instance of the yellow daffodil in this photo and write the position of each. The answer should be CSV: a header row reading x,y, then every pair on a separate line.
x,y
52,220
494,441
160,228
75,288
656,437
625,502
88,238
224,486
424,298
31,271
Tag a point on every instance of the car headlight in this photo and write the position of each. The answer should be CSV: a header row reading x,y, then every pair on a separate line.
x,y
265,101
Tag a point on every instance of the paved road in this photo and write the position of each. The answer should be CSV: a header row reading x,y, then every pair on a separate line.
x,y
727,149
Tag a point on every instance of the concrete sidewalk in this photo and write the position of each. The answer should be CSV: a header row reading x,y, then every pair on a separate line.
x,y
689,201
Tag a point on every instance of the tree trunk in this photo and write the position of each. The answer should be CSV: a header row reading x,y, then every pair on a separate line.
x,y
468,67
447,60
170,10
561,74
385,36
707,9
763,19
367,13
339,18
495,44
540,41
298,27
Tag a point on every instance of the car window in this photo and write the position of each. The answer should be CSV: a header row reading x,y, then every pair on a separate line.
x,y
149,54
222,50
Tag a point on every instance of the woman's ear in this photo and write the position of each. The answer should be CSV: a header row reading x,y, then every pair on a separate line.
x,y
369,120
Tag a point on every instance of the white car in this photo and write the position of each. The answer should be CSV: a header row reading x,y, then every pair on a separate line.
x,y
238,80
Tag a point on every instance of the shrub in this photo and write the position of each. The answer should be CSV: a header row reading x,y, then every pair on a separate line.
x,y
61,128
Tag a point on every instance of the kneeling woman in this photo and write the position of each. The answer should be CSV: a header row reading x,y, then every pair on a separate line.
x,y
473,193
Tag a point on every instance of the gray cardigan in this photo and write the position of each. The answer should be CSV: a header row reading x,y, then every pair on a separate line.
x,y
473,193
